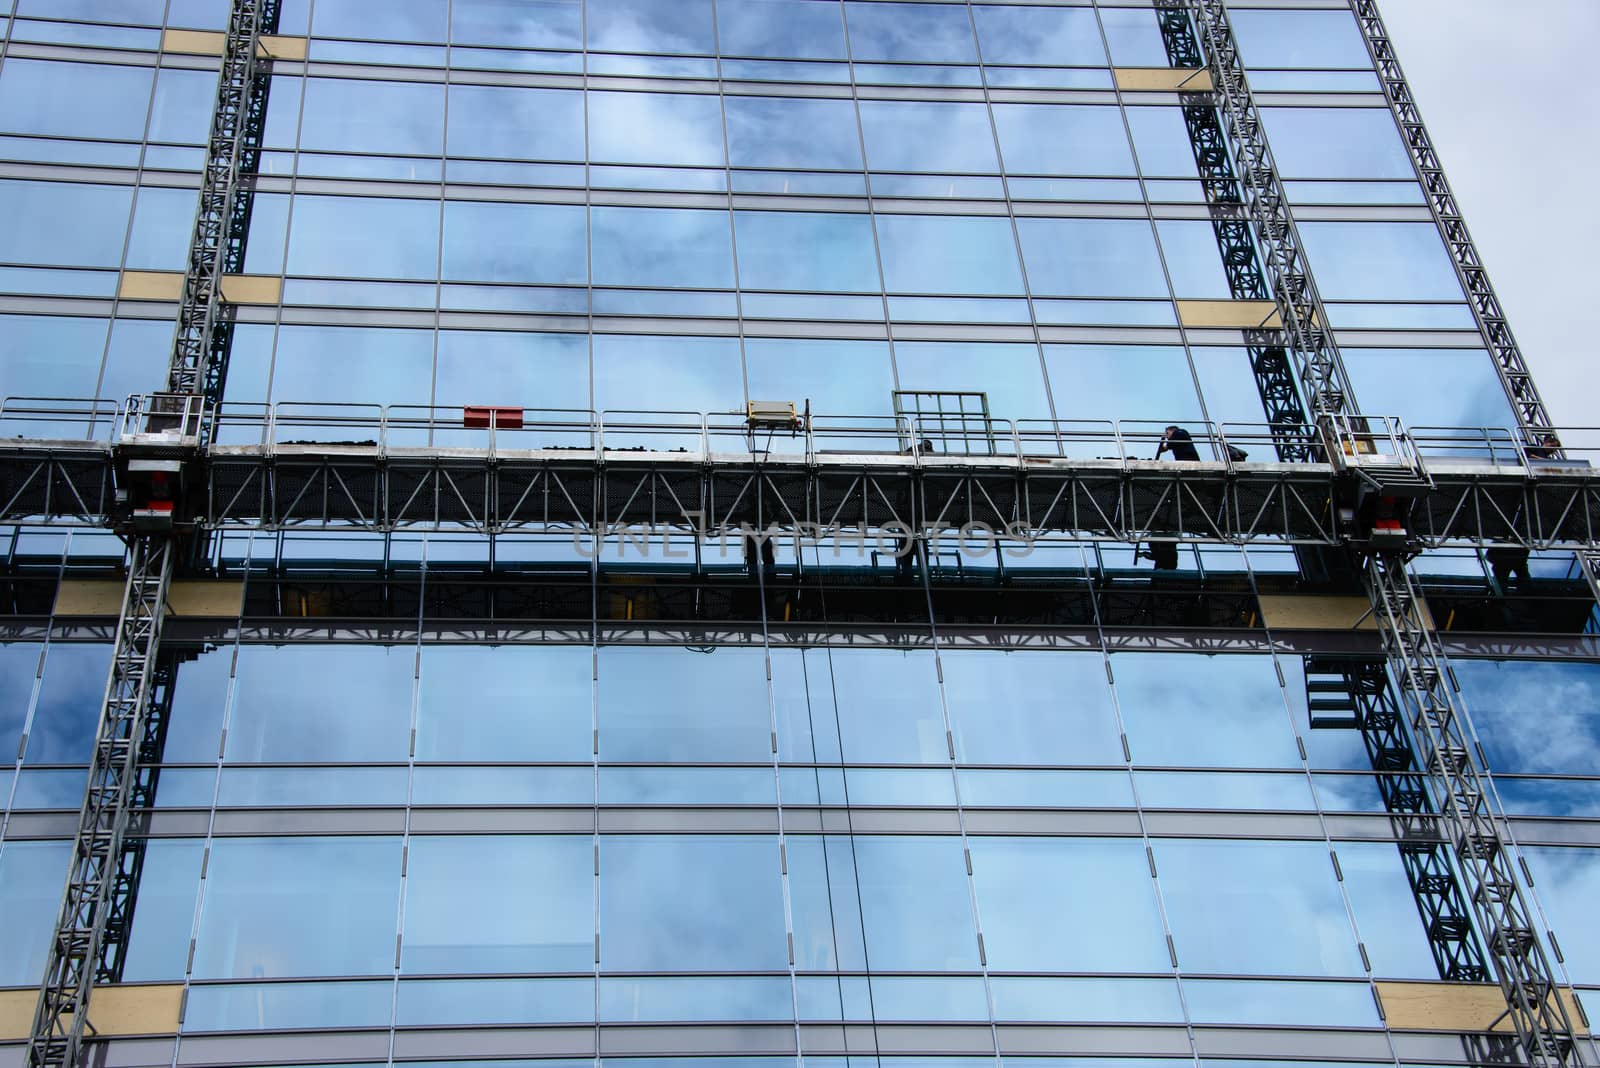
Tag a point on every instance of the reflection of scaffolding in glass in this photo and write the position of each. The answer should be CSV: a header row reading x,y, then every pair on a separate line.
x,y
945,421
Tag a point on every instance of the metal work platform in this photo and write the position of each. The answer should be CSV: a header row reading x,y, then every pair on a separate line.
x,y
324,467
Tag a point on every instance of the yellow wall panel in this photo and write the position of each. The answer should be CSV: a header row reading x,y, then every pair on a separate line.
x,y
16,1013
1230,314
150,285
1455,1007
135,1010
209,599
80,597
252,288
275,47
1163,79
209,43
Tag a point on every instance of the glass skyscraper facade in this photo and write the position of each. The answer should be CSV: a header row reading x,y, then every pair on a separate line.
x,y
432,797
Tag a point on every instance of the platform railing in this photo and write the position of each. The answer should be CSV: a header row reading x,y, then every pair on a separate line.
x,y
59,418
983,440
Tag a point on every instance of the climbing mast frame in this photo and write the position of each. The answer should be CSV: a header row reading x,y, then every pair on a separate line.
x,y
89,942
1483,859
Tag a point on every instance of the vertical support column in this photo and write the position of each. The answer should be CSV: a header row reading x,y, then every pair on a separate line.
x,y
1269,362
1305,321
1482,858
86,907
239,96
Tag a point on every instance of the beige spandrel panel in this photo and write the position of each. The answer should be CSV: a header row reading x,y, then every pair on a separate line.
x,y
252,288
210,600
150,285
192,598
135,1010
81,597
1230,314
1300,612
16,1013
1163,79
1465,1007
211,43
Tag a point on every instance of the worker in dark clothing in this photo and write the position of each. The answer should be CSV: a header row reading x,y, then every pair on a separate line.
x,y
1545,447
1177,441
1509,564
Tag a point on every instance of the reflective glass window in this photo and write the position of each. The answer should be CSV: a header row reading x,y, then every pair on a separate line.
x,y
915,33
49,356
1030,708
1055,36
182,109
18,663
505,702
350,365
943,138
459,1002
1193,259
460,918
823,900
137,12
1042,1000
321,703
364,237
658,128
1008,375
1026,885
1062,139
768,131
519,369
162,221
73,99
661,247
163,916
656,374
1430,387
491,242
504,122
680,26
1385,909
1162,142
1122,382
299,906
285,1006
1568,882
1504,697
1192,710
780,29
935,254
70,698
666,703
396,20
806,251
916,904
398,118
1091,257
889,709
837,377
1380,261
1336,143
517,23
1300,39
1134,37
31,878
56,223
1268,908
691,902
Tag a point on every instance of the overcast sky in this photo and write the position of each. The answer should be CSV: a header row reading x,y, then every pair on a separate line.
x,y
1508,89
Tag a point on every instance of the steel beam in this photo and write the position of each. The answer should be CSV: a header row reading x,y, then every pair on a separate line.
x,y
89,904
